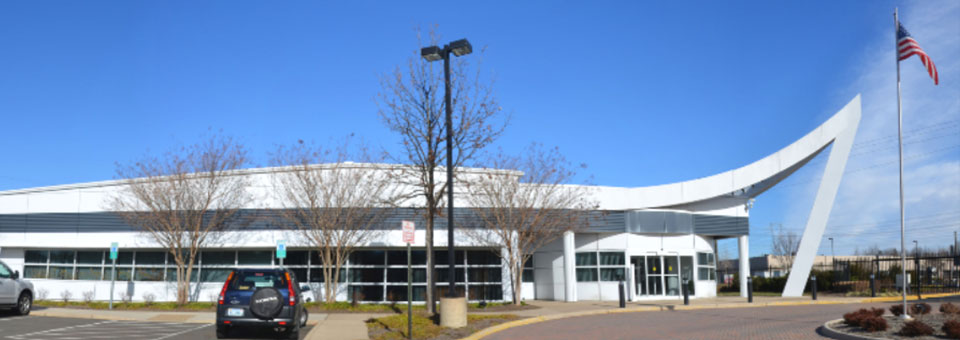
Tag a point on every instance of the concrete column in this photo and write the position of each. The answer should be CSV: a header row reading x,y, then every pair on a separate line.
x,y
743,243
569,268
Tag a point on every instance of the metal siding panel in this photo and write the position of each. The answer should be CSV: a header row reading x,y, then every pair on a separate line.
x,y
651,221
721,225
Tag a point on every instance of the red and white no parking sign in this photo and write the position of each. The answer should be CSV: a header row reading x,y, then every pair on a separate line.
x,y
408,231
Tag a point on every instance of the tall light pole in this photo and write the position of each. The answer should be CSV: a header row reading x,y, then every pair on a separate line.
x,y
433,53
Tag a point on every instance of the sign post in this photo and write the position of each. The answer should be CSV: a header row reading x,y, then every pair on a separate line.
x,y
114,247
281,251
408,238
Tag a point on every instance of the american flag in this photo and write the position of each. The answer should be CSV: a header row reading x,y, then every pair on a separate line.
x,y
907,47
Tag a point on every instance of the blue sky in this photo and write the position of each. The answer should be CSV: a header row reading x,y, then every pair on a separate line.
x,y
644,93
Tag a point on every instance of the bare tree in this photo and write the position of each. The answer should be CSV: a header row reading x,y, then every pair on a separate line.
x,y
525,203
185,199
411,104
331,202
785,246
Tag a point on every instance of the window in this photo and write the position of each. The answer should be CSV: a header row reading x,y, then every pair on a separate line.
x,y
35,272
150,258
296,257
4,271
36,256
417,257
586,259
245,257
482,257
586,274
90,257
484,274
706,267
610,266
586,267
224,258
528,270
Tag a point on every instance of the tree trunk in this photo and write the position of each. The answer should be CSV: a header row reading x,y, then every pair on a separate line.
x,y
183,292
517,281
328,278
431,284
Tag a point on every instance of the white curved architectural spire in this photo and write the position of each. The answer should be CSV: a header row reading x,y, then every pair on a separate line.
x,y
841,135
736,186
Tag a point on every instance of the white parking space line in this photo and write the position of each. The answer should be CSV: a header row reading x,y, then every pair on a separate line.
x,y
131,330
41,333
184,331
14,318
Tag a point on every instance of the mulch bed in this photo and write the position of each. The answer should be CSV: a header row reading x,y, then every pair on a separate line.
x,y
895,324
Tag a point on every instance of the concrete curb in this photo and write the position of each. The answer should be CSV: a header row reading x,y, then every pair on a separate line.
x,y
827,330
507,325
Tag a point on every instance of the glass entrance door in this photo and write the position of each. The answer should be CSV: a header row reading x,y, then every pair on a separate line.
x,y
661,275
654,275
639,274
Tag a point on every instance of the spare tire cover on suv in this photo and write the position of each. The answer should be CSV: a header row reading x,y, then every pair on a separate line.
x,y
266,303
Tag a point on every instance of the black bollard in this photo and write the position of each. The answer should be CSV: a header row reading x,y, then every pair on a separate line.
x,y
873,286
623,299
749,289
686,292
813,286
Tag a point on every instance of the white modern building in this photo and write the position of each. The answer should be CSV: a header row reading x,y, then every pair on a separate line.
x,y
652,238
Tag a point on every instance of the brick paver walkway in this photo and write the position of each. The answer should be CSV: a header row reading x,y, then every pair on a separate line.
x,y
782,322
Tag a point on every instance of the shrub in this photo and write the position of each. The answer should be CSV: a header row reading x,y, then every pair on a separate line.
x,y
896,310
873,323
949,308
922,308
877,311
916,328
65,295
42,294
126,298
88,296
148,299
952,328
854,318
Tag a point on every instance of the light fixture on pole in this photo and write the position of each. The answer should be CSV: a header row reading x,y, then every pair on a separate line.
x,y
433,53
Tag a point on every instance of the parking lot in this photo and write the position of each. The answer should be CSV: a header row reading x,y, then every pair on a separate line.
x,y
50,328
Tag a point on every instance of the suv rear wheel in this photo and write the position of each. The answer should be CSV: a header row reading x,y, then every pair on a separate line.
x,y
24,303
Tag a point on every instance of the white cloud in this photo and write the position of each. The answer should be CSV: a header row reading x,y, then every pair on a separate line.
x,y
867,208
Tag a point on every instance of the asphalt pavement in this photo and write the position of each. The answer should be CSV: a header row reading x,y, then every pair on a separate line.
x,y
53,328
772,322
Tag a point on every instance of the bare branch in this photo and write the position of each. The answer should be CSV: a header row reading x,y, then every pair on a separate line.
x,y
526,208
185,199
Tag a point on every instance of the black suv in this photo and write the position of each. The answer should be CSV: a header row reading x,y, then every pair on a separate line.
x,y
261,298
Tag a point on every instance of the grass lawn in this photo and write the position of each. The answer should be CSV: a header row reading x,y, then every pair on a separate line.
x,y
156,306
425,327
754,294
401,308
322,307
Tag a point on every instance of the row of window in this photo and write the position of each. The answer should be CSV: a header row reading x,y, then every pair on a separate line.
x,y
372,275
610,266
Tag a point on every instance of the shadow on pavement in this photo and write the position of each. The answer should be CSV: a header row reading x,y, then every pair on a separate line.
x,y
258,333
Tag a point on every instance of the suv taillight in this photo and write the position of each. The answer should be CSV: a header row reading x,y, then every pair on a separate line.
x,y
293,299
225,285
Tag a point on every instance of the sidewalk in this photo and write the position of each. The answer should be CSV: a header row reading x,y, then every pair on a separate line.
x,y
352,326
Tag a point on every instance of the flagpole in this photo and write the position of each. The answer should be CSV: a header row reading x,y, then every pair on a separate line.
x,y
903,256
